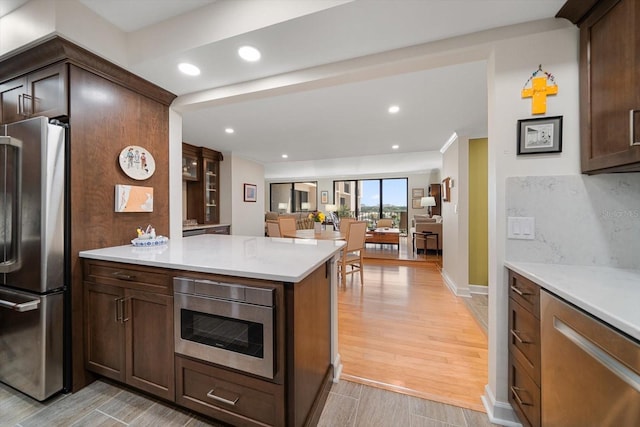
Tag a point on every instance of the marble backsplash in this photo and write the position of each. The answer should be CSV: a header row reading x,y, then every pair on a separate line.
x,y
579,219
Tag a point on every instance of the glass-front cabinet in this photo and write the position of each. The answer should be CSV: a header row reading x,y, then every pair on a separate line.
x,y
203,200
190,162
211,209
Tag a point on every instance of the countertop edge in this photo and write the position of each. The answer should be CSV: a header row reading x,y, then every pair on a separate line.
x,y
209,270
613,318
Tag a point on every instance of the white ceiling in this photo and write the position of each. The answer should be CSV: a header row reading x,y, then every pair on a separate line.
x,y
332,121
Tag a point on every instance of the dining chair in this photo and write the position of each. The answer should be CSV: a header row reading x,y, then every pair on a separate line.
x,y
353,252
344,224
385,222
273,228
287,225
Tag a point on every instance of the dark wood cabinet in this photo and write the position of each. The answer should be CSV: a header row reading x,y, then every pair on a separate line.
x,y
107,108
203,200
240,400
129,326
40,93
524,349
609,83
434,191
190,162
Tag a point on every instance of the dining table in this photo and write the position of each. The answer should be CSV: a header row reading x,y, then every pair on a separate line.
x,y
312,234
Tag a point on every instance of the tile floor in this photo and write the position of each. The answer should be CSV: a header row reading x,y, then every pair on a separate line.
x,y
104,404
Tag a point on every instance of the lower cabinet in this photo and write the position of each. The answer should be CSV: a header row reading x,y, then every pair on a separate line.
x,y
524,349
227,396
129,331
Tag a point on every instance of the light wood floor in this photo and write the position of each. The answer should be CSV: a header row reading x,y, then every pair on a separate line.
x,y
405,331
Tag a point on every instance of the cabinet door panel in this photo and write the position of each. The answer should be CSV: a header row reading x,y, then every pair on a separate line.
x,y
149,342
10,96
610,43
48,91
104,331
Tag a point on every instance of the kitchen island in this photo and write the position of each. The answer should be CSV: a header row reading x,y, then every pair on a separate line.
x,y
131,323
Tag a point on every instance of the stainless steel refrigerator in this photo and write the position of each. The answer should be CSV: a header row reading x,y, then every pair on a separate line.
x,y
32,256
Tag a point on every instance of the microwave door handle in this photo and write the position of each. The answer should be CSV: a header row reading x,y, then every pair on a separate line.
x,y
13,261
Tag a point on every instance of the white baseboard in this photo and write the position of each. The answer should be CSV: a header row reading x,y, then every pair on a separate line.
x,y
500,413
479,289
459,291
337,368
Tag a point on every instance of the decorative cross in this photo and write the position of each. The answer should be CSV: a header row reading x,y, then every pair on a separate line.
x,y
539,91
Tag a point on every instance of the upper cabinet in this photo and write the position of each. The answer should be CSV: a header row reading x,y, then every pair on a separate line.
x,y
202,192
609,83
190,162
40,93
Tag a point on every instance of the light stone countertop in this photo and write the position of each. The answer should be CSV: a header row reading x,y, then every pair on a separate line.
x,y
610,294
277,259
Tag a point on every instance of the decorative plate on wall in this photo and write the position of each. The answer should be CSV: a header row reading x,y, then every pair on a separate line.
x,y
137,162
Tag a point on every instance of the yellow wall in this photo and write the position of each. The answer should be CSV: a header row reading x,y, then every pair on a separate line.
x,y
478,213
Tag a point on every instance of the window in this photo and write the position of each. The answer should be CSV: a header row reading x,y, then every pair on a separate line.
x,y
372,199
287,197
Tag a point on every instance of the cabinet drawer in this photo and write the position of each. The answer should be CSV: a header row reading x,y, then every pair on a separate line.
x,y
129,276
525,292
230,397
524,394
219,230
524,339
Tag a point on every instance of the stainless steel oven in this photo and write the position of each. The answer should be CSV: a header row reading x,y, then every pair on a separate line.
x,y
224,323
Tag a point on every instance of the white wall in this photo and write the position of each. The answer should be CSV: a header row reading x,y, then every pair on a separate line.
x,y
455,215
511,63
247,218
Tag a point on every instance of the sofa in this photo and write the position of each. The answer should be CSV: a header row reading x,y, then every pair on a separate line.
x,y
303,222
424,223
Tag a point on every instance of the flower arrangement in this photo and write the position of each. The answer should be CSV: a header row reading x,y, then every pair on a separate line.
x,y
317,216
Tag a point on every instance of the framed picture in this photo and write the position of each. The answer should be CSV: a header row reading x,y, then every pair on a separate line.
x,y
250,192
415,204
324,197
417,193
541,135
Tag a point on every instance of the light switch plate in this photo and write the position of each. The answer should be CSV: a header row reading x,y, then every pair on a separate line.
x,y
522,228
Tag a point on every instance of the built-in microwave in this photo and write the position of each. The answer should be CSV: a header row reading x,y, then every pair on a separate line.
x,y
225,323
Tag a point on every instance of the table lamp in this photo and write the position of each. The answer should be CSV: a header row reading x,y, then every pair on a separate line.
x,y
428,201
282,207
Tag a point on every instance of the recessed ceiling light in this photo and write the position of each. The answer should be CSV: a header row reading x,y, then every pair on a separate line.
x,y
249,53
229,130
394,109
285,156
395,147
189,69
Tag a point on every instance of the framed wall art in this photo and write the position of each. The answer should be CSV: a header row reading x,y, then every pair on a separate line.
x,y
324,197
415,204
250,192
417,193
540,135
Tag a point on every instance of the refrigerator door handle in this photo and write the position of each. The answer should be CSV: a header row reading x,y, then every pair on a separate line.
x,y
22,306
13,262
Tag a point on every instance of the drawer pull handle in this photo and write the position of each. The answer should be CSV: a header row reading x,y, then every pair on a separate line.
x,y
122,276
516,335
632,129
222,399
516,396
519,292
